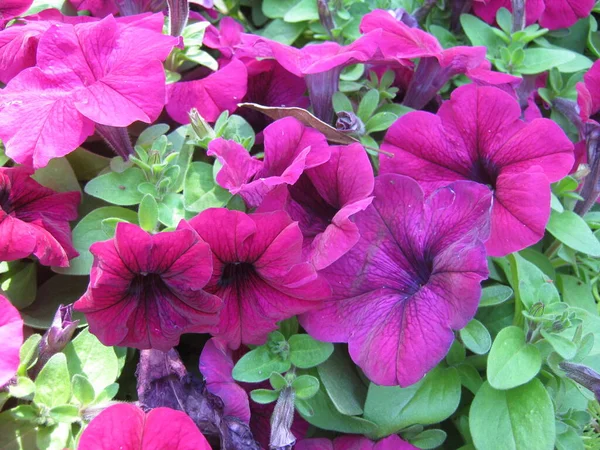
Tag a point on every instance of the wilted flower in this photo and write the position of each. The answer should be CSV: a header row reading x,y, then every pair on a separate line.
x,y
258,271
413,277
11,336
478,135
348,122
583,375
35,219
146,290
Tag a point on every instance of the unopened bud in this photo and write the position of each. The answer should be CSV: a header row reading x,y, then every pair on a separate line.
x,y
325,16
348,122
200,126
583,375
179,11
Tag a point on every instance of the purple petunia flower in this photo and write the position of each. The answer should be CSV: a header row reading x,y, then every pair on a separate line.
x,y
11,336
324,199
413,277
290,148
392,442
146,290
478,135
34,220
258,271
104,72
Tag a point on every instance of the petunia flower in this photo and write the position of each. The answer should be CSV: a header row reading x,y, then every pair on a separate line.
x,y
410,281
145,290
11,336
218,92
392,40
126,426
98,8
216,364
392,442
478,135
290,148
323,201
588,95
552,14
102,72
258,271
9,9
34,220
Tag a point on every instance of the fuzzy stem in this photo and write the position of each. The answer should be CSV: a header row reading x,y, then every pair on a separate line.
x,y
591,184
117,138
518,15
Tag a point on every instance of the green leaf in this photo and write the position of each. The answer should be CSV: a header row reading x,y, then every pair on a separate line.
x,y
368,105
343,385
283,32
504,20
517,419
512,362
25,413
476,337
65,413
431,400
494,295
58,290
16,435
538,60
23,389
560,344
20,283
118,188
303,407
306,352
108,393
532,285
469,377
239,130
89,230
305,386
570,229
29,353
577,293
429,439
86,164
480,33
148,213
58,175
276,9
277,381
327,417
53,384
83,391
258,365
201,192
380,121
264,396
303,11
88,357
55,437
341,102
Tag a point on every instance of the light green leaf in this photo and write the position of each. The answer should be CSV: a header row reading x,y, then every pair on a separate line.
x,y
19,284
201,192
83,391
380,122
276,9
16,435
538,60
118,188
561,344
258,365
480,33
494,295
264,396
306,352
23,389
303,11
65,413
570,229
431,400
368,105
531,282
341,102
512,362
283,32
476,337
58,175
577,293
517,419
305,386
53,383
148,213
29,352
429,439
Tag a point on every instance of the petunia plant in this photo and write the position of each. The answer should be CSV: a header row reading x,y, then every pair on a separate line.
x,y
299,224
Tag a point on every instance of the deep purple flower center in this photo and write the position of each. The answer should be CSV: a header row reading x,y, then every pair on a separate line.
x,y
236,273
5,203
423,268
318,213
145,285
485,172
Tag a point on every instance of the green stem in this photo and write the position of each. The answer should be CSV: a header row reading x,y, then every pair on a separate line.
x,y
518,319
553,249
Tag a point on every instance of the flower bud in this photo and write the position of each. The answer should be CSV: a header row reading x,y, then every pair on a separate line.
x,y
583,375
117,138
200,126
179,11
348,122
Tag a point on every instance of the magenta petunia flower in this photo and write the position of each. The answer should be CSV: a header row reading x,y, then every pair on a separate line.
x,y
588,95
392,442
290,148
9,9
34,220
145,290
552,14
125,426
104,72
258,271
391,40
216,365
232,42
218,92
98,8
413,277
478,135
323,201
11,336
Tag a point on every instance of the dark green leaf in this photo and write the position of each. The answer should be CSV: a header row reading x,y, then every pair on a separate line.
x,y
494,295
429,439
476,337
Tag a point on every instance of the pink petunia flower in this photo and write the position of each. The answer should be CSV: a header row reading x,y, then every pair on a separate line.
x,y
145,290
218,92
11,336
552,14
100,72
392,442
34,220
258,271
216,364
323,201
410,281
98,8
478,135
588,95
290,148
125,426
390,40
9,9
